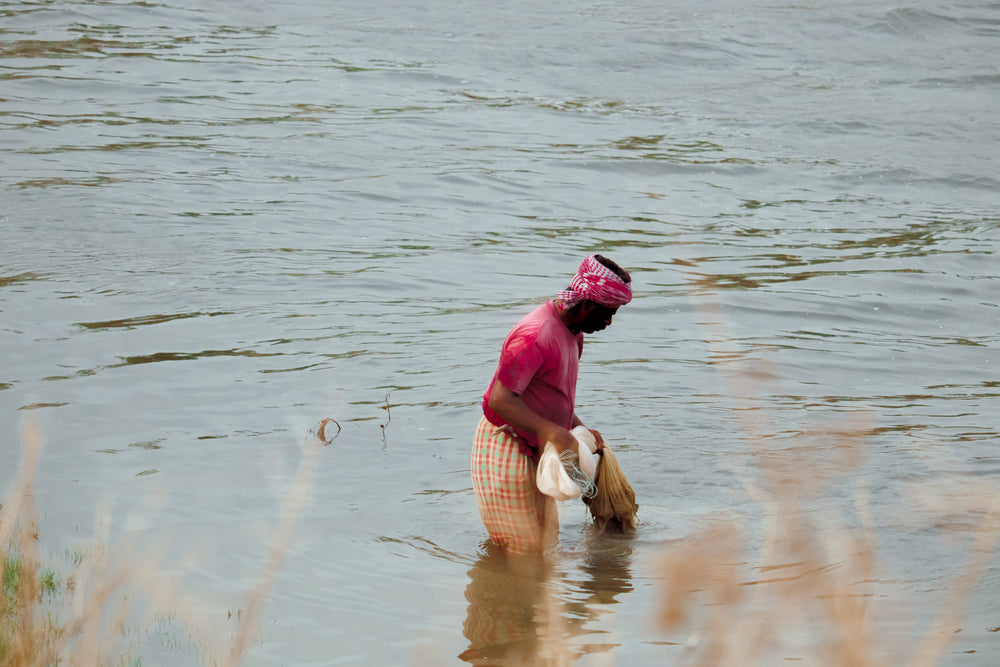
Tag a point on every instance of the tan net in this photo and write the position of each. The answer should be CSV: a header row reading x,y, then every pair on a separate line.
x,y
613,506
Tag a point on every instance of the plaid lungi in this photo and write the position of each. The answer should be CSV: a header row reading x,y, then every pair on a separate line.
x,y
518,516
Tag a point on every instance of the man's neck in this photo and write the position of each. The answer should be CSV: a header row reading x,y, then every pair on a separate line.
x,y
566,316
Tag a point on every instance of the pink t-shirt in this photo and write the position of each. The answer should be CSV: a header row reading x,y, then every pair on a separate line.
x,y
539,361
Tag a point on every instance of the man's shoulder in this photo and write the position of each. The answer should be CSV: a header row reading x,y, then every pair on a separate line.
x,y
537,321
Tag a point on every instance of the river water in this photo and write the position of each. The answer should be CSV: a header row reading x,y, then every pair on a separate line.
x,y
224,222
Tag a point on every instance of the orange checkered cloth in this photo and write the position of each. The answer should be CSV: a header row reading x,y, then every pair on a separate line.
x,y
518,517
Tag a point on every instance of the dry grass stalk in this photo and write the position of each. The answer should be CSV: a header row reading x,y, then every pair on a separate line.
x,y
24,635
984,546
90,621
281,541
809,596
86,622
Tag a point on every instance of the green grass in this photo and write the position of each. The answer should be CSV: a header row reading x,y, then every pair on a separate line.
x,y
49,581
11,573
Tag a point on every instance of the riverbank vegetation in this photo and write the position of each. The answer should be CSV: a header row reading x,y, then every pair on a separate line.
x,y
113,592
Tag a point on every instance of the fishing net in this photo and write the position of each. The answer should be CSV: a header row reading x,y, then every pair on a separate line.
x,y
613,506
572,463
568,474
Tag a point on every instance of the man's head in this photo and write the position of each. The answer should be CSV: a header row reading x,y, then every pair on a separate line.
x,y
599,288
590,316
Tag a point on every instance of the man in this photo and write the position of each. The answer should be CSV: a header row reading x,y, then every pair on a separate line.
x,y
530,402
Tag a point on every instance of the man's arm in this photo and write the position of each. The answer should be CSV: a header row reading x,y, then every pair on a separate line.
x,y
516,412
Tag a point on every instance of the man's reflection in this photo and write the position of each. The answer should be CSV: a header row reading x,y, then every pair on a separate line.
x,y
522,612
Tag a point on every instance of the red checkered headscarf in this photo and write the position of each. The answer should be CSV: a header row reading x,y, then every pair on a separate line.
x,y
596,282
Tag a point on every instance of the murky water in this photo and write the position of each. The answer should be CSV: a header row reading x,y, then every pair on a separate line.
x,y
221,224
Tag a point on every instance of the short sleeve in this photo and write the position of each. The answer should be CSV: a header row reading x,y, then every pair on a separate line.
x,y
520,360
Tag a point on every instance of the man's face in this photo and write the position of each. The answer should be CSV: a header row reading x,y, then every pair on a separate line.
x,y
596,317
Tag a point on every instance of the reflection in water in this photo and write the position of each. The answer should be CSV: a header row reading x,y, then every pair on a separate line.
x,y
503,594
187,356
133,322
607,568
20,277
524,611
37,48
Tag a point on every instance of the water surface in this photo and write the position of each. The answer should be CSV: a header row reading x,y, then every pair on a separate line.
x,y
223,224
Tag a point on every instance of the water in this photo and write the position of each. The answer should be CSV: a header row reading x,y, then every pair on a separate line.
x,y
223,224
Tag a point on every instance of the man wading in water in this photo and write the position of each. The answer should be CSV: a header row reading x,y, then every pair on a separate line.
x,y
530,401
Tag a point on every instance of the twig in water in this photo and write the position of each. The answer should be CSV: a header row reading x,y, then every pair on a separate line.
x,y
387,412
321,431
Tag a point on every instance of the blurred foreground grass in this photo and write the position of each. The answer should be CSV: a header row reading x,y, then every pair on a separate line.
x,y
803,588
90,617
